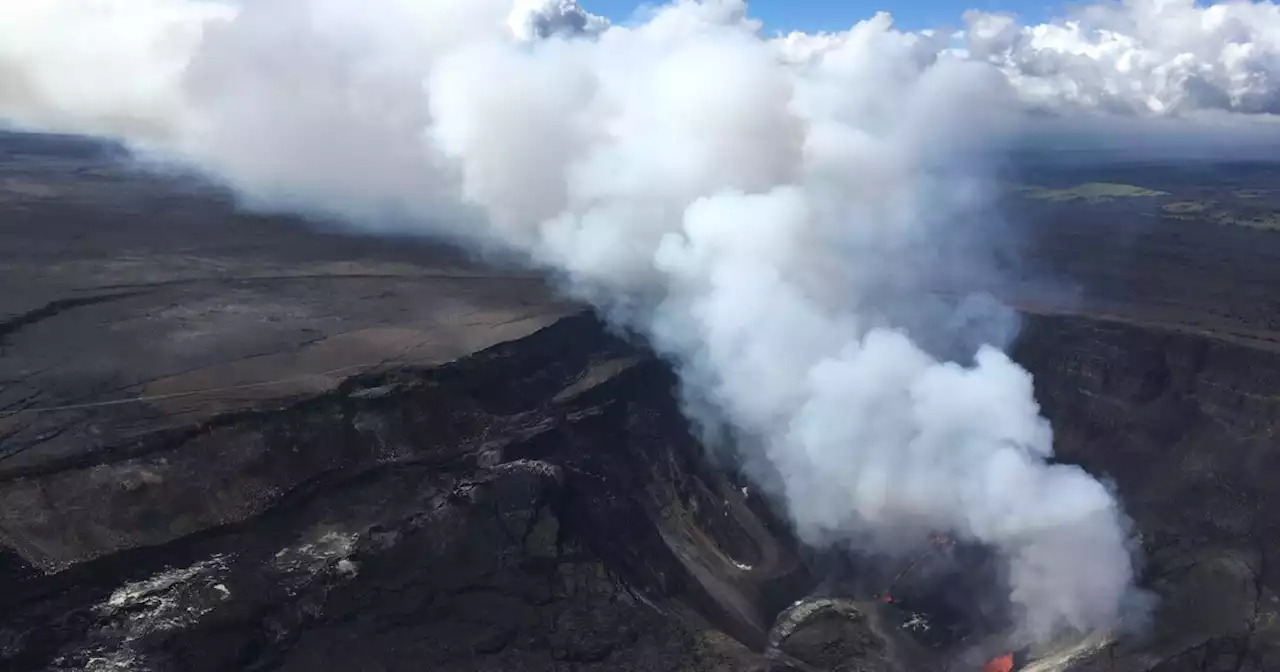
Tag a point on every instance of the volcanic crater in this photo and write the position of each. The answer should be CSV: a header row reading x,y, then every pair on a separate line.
x,y
233,442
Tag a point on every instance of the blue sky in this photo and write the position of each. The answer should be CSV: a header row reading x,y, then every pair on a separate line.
x,y
816,15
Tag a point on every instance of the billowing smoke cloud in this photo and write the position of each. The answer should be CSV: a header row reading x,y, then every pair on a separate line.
x,y
767,211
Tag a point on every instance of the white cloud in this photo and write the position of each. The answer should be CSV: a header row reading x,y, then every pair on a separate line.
x,y
1143,57
1140,57
100,66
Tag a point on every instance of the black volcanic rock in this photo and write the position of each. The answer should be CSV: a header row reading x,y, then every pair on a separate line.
x,y
537,505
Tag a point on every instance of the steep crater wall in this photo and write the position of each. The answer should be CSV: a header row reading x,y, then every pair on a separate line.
x,y
1185,426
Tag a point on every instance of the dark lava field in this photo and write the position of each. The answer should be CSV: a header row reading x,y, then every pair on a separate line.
x,y
240,442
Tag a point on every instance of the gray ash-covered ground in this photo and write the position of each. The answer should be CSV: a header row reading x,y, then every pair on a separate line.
x,y
236,442
119,284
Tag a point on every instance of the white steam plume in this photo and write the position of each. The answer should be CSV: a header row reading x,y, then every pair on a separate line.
x,y
762,209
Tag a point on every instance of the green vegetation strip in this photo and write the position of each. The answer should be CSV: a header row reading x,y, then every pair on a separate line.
x,y
1092,192
1213,213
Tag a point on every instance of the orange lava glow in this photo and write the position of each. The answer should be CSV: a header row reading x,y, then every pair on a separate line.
x,y
999,664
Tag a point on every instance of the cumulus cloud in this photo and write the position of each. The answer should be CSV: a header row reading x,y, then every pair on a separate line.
x,y
533,19
771,212
1136,57
1140,56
